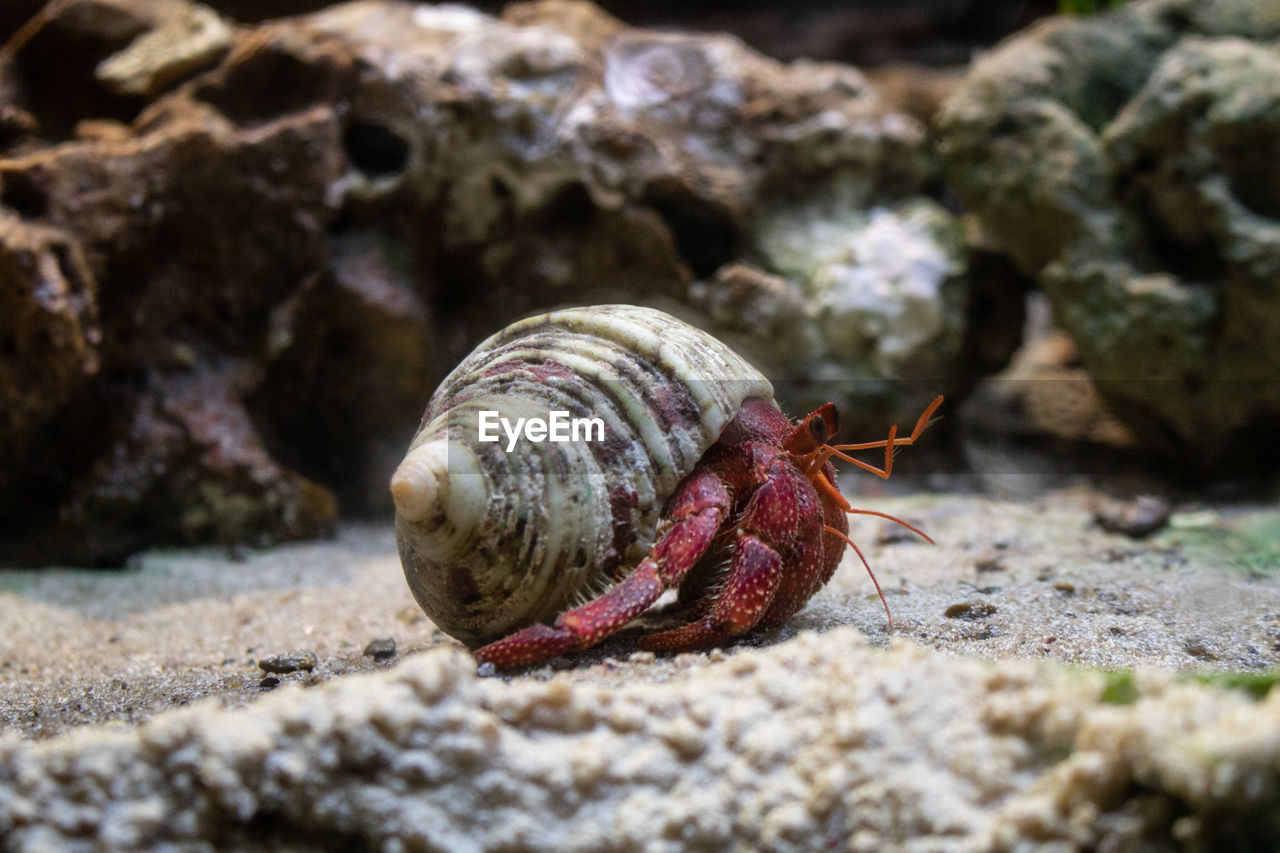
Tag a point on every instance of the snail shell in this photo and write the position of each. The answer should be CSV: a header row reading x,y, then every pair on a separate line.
x,y
492,540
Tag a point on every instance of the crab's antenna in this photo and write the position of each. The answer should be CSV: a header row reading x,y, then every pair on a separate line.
x,y
867,565
917,531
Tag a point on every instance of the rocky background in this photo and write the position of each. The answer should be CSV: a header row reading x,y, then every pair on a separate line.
x,y
1127,163
238,252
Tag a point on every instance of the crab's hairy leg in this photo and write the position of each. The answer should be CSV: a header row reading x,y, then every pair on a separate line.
x,y
889,444
829,451
752,583
694,514
781,516
831,491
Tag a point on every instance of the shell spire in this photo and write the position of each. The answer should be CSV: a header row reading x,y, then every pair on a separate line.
x,y
439,490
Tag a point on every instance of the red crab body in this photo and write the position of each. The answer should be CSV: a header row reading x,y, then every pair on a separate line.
x,y
747,537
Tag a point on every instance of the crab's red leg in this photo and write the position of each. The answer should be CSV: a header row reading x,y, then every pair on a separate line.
x,y
775,519
753,581
694,514
808,569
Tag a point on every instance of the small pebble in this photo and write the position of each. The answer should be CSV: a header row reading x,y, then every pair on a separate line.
x,y
1197,648
891,534
381,649
1136,519
289,662
269,683
409,614
989,563
973,610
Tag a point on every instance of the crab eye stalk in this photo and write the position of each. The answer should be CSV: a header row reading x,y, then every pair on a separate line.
x,y
831,419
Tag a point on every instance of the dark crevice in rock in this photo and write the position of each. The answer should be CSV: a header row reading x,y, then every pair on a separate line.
x,y
1159,249
571,206
375,149
1253,172
706,237
55,71
997,312
21,192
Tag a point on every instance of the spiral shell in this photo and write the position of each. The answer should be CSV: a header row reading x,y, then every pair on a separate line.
x,y
492,540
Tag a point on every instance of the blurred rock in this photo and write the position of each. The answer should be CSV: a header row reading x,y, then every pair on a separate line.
x,y
1127,162
49,332
149,262
1137,519
381,649
1041,423
858,307
87,59
867,31
917,90
346,202
175,461
182,38
285,662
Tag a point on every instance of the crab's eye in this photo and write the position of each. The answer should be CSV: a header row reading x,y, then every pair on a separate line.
x,y
831,419
818,429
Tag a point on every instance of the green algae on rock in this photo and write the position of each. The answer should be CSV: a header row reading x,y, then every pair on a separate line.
x,y
1123,161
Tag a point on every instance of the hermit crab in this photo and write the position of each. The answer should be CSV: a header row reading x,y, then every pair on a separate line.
x,y
579,463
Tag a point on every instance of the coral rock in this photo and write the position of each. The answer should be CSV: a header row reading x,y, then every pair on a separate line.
x,y
1127,162
326,210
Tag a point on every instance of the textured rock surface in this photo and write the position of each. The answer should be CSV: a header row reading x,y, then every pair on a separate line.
x,y
885,293
927,31
49,324
821,741
1040,424
148,437
966,732
1127,162
313,218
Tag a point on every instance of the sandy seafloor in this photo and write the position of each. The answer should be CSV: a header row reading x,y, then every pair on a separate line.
x,y
1001,713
